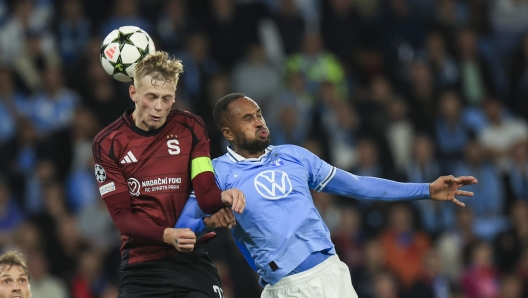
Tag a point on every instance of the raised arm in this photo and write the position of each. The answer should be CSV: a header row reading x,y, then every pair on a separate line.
x,y
210,198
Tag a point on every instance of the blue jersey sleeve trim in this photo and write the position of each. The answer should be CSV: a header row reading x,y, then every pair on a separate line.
x,y
371,188
327,179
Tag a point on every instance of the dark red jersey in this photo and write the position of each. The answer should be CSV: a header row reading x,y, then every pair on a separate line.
x,y
153,167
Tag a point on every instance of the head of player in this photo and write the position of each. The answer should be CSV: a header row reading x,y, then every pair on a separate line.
x,y
154,89
14,276
240,120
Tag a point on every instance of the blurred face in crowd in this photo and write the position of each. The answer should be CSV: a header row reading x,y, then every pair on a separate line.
x,y
400,218
423,150
14,282
450,106
246,129
154,100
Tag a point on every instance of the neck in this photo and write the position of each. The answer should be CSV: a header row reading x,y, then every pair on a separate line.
x,y
248,153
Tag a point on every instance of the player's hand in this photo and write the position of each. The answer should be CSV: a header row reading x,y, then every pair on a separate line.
x,y
221,219
446,188
182,239
235,199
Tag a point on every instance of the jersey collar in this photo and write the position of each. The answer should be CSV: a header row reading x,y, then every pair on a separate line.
x,y
235,157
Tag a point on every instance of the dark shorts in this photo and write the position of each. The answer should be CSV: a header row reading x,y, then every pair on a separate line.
x,y
191,277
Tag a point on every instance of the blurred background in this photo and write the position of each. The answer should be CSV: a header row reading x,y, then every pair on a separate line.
x,y
401,89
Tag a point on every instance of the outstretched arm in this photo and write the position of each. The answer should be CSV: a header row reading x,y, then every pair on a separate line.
x,y
371,188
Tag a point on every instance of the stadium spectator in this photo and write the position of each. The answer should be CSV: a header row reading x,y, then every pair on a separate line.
x,y
363,277
125,14
451,133
14,276
399,132
502,132
453,244
291,26
404,246
481,276
43,283
432,283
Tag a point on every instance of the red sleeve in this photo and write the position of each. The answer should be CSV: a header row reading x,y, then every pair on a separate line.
x,y
130,224
204,184
207,192
114,190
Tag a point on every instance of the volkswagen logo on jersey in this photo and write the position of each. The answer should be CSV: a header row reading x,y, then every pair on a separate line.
x,y
134,187
100,174
273,185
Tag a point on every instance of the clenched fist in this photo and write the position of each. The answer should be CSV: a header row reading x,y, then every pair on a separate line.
x,y
182,239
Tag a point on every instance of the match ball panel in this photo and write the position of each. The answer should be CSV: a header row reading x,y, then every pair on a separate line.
x,y
107,66
131,70
129,54
112,52
111,37
122,78
140,40
129,29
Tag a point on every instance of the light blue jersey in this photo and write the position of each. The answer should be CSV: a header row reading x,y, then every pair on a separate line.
x,y
280,226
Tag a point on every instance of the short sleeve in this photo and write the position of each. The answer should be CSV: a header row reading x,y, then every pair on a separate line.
x,y
109,177
201,139
319,171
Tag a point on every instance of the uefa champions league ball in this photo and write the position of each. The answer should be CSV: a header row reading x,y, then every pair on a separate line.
x,y
122,49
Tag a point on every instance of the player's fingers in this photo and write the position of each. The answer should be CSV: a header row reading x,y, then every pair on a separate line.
x,y
228,213
464,193
231,225
241,202
186,241
237,202
185,248
187,234
454,200
467,180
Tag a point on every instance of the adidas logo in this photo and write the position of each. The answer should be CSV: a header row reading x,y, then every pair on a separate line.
x,y
129,158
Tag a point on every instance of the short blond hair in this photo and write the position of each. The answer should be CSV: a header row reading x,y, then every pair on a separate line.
x,y
13,258
160,66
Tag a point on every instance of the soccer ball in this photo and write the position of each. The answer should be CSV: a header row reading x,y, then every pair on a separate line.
x,y
122,49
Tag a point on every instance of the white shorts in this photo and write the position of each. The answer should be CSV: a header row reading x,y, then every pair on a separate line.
x,y
330,279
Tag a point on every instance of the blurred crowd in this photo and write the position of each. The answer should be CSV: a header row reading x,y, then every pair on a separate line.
x,y
400,89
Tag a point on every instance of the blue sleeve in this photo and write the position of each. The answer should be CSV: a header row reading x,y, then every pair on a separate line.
x,y
246,254
371,188
191,217
319,171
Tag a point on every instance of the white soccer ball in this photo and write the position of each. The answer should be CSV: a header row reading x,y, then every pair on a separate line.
x,y
122,49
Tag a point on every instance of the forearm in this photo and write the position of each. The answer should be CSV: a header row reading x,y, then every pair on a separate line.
x,y
207,192
191,217
371,188
129,223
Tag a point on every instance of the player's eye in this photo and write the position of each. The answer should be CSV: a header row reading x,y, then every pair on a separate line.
x,y
22,280
6,281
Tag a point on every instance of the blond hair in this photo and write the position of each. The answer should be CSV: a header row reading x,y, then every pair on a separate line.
x,y
13,258
160,67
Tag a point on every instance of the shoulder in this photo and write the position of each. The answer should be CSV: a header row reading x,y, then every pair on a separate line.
x,y
291,150
222,162
108,133
186,118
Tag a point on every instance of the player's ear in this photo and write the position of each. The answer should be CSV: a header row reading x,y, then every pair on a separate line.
x,y
226,132
132,91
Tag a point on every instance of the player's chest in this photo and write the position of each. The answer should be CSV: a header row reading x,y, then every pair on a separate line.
x,y
271,181
148,156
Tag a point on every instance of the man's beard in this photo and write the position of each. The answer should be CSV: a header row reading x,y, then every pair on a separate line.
x,y
254,146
